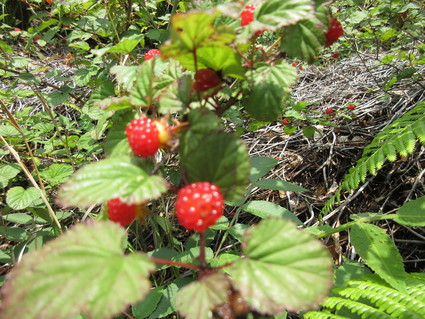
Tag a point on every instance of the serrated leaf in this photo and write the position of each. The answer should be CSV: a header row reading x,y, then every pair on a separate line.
x,y
412,213
266,209
284,267
142,91
125,46
264,102
57,173
7,172
109,178
219,158
108,280
20,198
260,166
281,13
8,131
116,142
199,298
304,40
17,234
125,75
279,185
379,252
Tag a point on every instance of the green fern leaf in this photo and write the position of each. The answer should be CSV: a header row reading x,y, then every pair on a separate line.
x,y
400,137
321,315
365,311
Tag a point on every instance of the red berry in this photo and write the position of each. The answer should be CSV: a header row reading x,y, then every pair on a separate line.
x,y
335,55
329,111
17,29
351,106
63,40
120,212
205,79
151,54
294,63
285,122
247,15
143,136
199,205
334,32
49,1
36,38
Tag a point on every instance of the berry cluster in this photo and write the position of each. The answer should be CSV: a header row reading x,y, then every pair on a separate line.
x,y
199,205
247,16
205,79
151,54
120,212
334,32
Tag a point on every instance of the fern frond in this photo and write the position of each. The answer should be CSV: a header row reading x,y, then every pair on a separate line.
x,y
321,315
400,137
372,297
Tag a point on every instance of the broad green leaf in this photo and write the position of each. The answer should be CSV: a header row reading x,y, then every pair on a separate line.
x,y
260,166
221,224
109,178
198,299
238,231
57,173
17,234
219,158
264,102
18,218
147,306
265,209
281,13
349,270
412,213
304,40
83,76
20,198
379,252
142,92
283,268
116,142
125,75
125,46
219,58
7,172
279,185
86,270
192,29
8,131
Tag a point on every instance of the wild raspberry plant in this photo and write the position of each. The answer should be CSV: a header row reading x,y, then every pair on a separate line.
x,y
173,90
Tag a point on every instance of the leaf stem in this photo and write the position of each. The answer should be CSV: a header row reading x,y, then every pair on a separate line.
x,y
174,263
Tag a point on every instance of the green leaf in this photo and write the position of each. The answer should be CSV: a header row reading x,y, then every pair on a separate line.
x,y
7,172
350,270
148,305
279,185
304,40
260,166
116,142
220,58
110,178
238,231
219,158
57,173
199,298
125,46
142,91
412,213
17,234
8,131
125,75
108,279
281,13
379,252
283,268
18,218
265,209
20,198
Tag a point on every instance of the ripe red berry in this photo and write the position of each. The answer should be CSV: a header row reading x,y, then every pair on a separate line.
x,y
329,111
351,106
205,79
199,205
36,38
294,63
49,1
143,136
120,212
285,122
17,29
151,54
335,55
247,15
334,32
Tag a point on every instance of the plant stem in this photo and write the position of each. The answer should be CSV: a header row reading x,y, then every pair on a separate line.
x,y
174,263
202,251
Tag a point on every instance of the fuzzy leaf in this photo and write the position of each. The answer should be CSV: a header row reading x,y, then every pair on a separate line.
x,y
280,13
199,298
304,40
109,178
284,267
379,252
219,158
107,281
412,213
